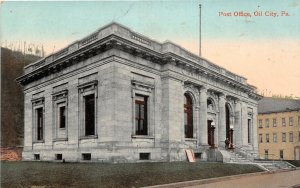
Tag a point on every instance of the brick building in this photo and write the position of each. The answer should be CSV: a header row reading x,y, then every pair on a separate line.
x,y
279,128
118,96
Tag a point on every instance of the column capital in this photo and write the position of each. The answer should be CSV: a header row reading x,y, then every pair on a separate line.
x,y
203,88
222,95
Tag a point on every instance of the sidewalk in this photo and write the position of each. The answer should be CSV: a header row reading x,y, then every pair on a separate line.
x,y
276,179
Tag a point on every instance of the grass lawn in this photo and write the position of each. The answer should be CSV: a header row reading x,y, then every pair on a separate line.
x,y
27,174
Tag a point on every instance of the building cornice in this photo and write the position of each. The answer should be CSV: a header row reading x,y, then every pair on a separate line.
x,y
119,37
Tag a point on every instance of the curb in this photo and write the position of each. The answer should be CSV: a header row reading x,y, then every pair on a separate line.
x,y
212,180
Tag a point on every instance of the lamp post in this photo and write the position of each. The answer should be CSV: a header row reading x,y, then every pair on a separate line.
x,y
212,134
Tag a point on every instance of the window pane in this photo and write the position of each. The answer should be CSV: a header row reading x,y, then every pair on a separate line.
x,y
141,114
39,113
62,117
90,115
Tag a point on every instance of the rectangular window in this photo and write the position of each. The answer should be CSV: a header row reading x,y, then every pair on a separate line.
x,y
260,123
283,122
62,117
291,139
267,138
86,156
260,138
141,123
249,130
283,137
89,101
58,156
291,121
274,122
298,120
267,123
281,154
40,123
266,154
274,137
36,156
299,136
144,156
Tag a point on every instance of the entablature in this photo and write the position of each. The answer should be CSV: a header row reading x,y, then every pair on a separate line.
x,y
117,36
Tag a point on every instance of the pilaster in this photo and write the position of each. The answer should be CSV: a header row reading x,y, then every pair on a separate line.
x,y
254,128
237,126
244,123
222,121
203,117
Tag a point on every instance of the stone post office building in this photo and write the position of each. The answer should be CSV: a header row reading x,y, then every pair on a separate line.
x,y
118,96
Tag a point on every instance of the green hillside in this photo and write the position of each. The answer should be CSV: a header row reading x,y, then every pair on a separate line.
x,y
12,123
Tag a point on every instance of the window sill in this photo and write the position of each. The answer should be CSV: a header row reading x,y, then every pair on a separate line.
x,y
190,139
88,137
60,139
38,141
142,137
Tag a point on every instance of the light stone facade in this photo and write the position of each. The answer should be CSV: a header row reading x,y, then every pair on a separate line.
x,y
114,66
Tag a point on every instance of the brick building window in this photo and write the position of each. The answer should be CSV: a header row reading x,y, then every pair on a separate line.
x,y
260,123
188,116
260,138
274,122
267,123
274,137
299,136
298,120
283,122
281,154
267,138
266,154
141,115
291,137
283,137
291,121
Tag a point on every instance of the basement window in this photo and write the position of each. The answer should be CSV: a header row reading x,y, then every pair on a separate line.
x,y
58,156
37,157
86,156
198,155
144,156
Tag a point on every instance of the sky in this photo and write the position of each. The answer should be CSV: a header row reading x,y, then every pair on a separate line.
x,y
257,39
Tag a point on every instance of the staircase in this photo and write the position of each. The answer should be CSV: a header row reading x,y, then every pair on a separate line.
x,y
231,156
270,165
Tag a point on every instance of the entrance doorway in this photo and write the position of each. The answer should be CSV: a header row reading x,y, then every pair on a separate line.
x,y
297,153
210,133
227,122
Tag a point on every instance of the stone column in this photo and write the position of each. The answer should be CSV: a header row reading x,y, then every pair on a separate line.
x,y
237,125
197,122
222,121
244,123
203,117
254,128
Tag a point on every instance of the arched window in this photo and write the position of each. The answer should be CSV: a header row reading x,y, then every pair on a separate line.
x,y
188,116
